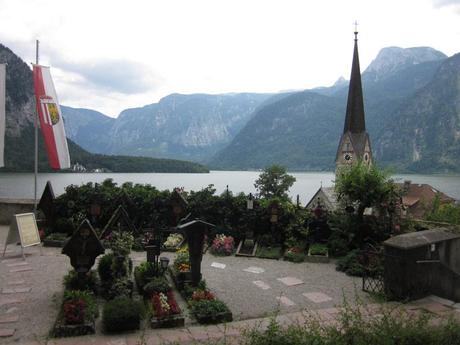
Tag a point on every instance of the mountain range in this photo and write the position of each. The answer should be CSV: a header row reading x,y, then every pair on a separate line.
x,y
411,97
19,134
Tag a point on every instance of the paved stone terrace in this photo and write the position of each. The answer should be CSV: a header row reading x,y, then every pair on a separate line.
x,y
255,289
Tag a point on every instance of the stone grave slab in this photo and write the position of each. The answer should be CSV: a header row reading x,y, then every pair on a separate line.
x,y
21,269
285,301
15,264
317,297
261,285
11,310
290,281
16,290
9,319
218,265
6,332
254,269
5,301
16,282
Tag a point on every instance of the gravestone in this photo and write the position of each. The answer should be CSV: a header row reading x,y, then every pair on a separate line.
x,y
83,248
195,232
46,204
119,222
178,206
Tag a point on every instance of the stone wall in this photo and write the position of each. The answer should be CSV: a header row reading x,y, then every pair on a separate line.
x,y
10,207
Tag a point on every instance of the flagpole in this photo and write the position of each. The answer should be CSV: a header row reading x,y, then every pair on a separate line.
x,y
36,139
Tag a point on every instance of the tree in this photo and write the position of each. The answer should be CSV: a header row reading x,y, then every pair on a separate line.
x,y
362,186
274,181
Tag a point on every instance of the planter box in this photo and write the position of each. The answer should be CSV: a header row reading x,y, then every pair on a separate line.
x,y
167,322
213,319
62,330
317,258
54,243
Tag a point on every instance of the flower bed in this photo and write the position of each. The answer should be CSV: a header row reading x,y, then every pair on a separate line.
x,y
294,254
222,245
274,252
77,315
318,253
203,304
166,311
173,242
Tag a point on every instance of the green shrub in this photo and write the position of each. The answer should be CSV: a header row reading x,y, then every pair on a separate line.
x,y
189,289
90,282
206,307
120,287
318,249
64,225
158,284
337,246
390,327
104,268
351,263
142,274
121,314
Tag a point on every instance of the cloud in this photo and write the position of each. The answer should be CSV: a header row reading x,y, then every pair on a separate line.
x,y
115,75
454,4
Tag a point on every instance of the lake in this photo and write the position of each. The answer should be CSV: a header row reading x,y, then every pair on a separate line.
x,y
21,185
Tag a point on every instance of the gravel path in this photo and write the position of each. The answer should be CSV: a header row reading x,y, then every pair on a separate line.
x,y
38,308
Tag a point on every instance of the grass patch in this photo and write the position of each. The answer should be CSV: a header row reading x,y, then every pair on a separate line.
x,y
269,252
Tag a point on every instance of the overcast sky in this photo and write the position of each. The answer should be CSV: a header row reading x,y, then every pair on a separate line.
x,y
112,55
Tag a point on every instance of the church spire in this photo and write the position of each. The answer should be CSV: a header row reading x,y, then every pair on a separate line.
x,y
354,119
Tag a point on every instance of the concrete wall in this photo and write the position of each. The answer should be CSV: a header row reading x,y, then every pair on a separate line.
x,y
10,207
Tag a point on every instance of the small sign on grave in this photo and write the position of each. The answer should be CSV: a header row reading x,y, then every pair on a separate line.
x,y
23,229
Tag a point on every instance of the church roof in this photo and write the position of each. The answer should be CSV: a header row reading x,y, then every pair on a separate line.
x,y
354,120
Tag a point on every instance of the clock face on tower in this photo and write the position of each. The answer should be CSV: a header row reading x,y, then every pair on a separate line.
x,y
348,157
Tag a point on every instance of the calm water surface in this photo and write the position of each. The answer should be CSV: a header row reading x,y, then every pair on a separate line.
x,y
21,185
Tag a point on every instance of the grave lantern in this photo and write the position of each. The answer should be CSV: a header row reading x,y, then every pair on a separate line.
x,y
194,233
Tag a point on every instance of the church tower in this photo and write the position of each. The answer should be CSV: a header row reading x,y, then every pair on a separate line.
x,y
354,144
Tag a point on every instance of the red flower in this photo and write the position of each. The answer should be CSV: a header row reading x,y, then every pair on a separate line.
x,y
74,311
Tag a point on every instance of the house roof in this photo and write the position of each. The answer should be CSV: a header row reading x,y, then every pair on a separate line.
x,y
412,193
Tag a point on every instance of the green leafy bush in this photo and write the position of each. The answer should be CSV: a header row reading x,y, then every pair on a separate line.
x,y
90,281
357,327
64,225
142,274
318,249
104,267
207,307
351,263
121,314
157,285
120,287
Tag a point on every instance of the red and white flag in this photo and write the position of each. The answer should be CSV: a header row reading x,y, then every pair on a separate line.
x,y
50,116
2,113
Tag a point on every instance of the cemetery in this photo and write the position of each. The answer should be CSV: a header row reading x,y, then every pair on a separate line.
x,y
132,258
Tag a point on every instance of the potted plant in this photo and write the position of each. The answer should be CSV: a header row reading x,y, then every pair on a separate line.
x,y
173,242
222,245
